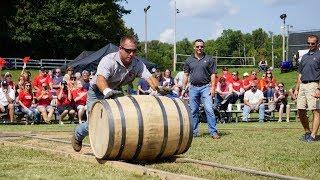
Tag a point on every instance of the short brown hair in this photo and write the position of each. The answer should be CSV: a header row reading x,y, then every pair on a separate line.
x,y
130,38
198,40
313,36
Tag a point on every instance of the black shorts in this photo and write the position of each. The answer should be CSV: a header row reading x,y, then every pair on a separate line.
x,y
284,108
60,109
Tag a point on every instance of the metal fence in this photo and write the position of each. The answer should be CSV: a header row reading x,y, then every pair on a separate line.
x,y
225,61
17,63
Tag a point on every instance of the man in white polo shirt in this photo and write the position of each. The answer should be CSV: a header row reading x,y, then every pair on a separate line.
x,y
114,71
253,101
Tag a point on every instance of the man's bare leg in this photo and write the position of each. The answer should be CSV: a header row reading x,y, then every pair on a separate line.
x,y
304,120
316,122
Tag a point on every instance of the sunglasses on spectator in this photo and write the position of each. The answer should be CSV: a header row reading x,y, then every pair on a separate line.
x,y
253,86
254,74
199,47
28,85
129,51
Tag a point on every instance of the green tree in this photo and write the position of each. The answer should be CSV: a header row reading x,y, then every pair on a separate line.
x,y
63,28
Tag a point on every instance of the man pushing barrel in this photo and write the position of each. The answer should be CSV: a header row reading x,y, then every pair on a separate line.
x,y
114,70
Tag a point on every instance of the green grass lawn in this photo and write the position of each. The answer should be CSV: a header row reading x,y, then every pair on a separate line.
x,y
271,147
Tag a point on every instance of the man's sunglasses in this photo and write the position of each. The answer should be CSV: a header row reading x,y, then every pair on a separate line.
x,y
312,44
129,51
199,47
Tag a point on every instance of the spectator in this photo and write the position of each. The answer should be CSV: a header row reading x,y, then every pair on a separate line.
x,y
178,79
26,75
254,79
72,82
143,87
281,101
40,79
263,65
64,106
223,93
78,76
158,75
6,99
86,79
79,96
44,98
25,101
167,80
253,101
69,72
223,96
246,81
57,79
237,88
226,74
8,78
268,86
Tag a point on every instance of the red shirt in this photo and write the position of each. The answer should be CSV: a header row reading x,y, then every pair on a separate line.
x,y
246,82
64,99
46,98
236,84
228,77
38,80
83,100
26,98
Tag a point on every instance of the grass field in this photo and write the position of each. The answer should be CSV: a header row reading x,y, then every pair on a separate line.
x,y
271,147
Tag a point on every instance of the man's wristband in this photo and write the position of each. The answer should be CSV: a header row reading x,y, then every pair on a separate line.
x,y
106,91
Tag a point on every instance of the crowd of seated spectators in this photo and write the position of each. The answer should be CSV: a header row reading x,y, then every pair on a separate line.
x,y
49,96
57,95
261,94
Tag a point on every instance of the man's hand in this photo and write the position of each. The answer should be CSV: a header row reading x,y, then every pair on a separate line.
x,y
212,92
113,94
316,94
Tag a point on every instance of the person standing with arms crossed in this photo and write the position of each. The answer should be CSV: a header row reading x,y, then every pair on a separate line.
x,y
201,68
114,70
308,88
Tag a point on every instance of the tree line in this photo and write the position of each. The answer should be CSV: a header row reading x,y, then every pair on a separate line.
x,y
65,28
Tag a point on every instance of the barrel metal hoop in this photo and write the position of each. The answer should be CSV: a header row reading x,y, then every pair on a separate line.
x,y
181,126
111,128
165,126
190,128
123,129
141,128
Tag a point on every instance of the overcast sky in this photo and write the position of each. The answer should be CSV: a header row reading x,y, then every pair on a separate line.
x,y
206,19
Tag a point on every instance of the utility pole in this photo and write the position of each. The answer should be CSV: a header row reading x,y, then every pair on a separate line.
x,y
145,29
272,50
175,11
283,17
288,32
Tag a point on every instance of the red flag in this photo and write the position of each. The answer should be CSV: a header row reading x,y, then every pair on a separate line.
x,y
2,62
26,59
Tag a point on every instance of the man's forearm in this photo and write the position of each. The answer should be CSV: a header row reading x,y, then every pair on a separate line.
x,y
102,83
185,80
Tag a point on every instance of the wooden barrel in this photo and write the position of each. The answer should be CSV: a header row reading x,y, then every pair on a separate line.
x,y
139,128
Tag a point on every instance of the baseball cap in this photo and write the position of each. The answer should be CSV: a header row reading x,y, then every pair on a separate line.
x,y
42,68
245,74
